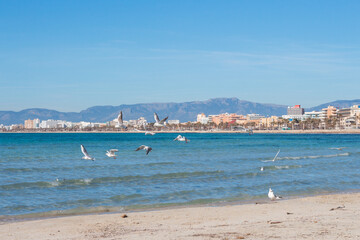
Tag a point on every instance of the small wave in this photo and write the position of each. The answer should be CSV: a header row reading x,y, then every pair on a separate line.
x,y
122,197
43,184
89,181
271,168
310,157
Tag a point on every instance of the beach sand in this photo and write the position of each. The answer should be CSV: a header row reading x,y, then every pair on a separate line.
x,y
320,217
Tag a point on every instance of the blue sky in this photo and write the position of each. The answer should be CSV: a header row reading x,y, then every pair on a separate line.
x,y
71,55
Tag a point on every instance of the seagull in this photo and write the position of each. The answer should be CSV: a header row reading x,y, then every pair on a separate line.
x,y
86,155
120,120
181,139
146,148
159,123
276,156
262,169
111,153
272,196
149,133
339,148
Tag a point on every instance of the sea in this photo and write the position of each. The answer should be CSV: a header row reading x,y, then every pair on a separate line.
x,y
43,174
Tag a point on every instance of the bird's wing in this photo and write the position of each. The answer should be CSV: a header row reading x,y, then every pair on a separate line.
x,y
276,155
120,118
162,121
141,147
177,138
156,117
113,150
148,150
84,151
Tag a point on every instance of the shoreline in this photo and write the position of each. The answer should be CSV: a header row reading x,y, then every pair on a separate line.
x,y
100,210
287,219
318,131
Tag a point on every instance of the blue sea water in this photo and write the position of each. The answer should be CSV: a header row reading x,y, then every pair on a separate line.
x,y
44,173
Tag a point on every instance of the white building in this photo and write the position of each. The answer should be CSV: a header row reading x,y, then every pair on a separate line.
x,y
36,123
173,121
254,116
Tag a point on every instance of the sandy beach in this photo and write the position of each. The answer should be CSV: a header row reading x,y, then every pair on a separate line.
x,y
320,217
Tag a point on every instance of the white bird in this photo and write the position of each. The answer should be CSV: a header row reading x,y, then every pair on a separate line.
x,y
111,153
262,169
339,148
181,139
149,133
272,196
146,148
86,155
276,156
159,123
120,120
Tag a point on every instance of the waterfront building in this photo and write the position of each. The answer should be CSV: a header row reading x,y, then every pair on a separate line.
x,y
201,118
173,121
269,121
254,116
36,123
29,124
296,110
225,118
313,115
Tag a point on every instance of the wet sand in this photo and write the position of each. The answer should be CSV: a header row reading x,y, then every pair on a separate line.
x,y
320,217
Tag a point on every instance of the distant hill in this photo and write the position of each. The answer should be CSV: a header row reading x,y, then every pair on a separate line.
x,y
186,111
337,104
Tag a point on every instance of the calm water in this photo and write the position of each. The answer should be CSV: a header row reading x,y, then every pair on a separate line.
x,y
211,168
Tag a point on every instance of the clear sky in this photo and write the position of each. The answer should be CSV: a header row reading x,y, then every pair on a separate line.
x,y
71,55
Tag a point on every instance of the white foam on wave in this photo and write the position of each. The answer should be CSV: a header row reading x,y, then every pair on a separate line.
x,y
86,180
310,157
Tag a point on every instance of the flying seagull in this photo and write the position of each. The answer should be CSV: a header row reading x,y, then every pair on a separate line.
x,y
276,156
149,133
120,120
181,139
111,153
86,155
146,148
159,123
272,196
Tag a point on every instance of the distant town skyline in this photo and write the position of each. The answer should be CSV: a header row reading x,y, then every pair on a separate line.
x,y
69,56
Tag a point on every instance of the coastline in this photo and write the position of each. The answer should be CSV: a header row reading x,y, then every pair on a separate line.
x,y
318,131
330,216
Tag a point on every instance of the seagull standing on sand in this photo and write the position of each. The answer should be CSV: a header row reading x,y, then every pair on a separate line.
x,y
159,123
146,148
272,196
111,153
181,139
86,155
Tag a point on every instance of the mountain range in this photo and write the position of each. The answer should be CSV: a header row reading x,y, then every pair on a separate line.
x,y
185,111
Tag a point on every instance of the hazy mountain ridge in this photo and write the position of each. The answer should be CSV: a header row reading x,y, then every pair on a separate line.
x,y
185,111
337,104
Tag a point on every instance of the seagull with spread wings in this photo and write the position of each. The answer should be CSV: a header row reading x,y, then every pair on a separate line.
x,y
111,153
159,123
120,120
146,148
86,155
181,139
